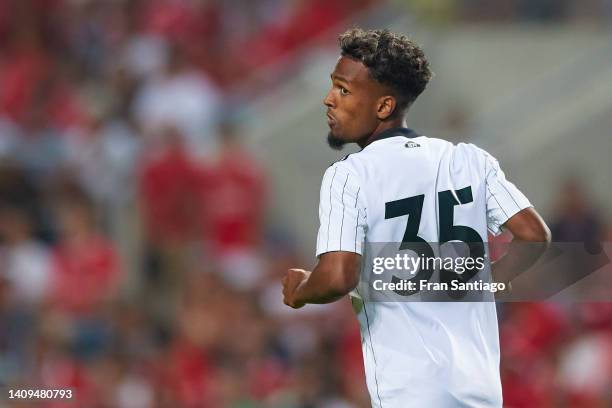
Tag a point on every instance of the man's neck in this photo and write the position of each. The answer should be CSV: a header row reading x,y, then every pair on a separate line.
x,y
382,126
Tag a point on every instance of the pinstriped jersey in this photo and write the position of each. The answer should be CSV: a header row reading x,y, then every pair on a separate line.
x,y
421,354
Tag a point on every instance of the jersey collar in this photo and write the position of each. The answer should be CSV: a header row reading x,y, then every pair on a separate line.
x,y
398,131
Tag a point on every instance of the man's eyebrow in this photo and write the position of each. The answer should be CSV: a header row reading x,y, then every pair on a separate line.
x,y
339,78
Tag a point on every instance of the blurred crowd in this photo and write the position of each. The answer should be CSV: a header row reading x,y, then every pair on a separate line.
x,y
500,11
136,263
135,266
559,354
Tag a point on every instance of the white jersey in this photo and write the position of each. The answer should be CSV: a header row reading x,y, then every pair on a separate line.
x,y
420,354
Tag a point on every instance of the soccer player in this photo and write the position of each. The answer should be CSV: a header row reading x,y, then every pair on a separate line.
x,y
402,187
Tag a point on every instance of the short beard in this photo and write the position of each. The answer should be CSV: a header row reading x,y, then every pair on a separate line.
x,y
334,142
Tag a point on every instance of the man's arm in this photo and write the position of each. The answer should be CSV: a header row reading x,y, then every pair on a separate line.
x,y
336,274
531,239
342,223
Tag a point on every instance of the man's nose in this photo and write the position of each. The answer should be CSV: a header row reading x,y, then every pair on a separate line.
x,y
329,100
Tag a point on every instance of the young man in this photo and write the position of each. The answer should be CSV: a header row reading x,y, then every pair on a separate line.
x,y
406,188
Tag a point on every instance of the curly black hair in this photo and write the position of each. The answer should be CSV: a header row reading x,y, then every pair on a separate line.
x,y
392,59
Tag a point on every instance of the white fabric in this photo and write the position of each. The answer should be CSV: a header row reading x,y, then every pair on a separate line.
x,y
420,354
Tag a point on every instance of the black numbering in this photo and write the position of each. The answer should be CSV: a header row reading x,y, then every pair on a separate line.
x,y
413,207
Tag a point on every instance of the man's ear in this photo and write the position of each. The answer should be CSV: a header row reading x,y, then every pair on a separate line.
x,y
386,106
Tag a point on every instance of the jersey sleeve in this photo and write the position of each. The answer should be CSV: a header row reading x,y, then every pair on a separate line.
x,y
342,216
504,199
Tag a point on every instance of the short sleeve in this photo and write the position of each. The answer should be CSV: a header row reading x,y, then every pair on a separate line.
x,y
342,213
504,199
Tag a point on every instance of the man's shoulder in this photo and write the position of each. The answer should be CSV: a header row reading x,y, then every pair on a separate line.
x,y
458,146
347,160
470,151
351,166
362,162
345,164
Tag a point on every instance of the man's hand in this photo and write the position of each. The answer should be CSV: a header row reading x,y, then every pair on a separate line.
x,y
334,276
292,280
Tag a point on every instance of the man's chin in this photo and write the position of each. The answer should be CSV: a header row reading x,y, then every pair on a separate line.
x,y
335,142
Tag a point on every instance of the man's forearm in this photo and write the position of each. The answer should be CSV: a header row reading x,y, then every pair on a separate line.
x,y
531,240
336,274
321,287
521,256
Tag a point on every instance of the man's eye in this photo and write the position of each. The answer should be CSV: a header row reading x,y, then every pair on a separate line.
x,y
344,91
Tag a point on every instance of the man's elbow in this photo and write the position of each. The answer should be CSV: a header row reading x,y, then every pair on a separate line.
x,y
539,232
338,272
546,235
528,226
343,282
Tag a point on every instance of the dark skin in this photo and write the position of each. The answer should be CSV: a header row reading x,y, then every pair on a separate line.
x,y
359,108
526,226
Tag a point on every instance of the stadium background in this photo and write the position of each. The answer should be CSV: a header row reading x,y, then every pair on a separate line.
x,y
160,164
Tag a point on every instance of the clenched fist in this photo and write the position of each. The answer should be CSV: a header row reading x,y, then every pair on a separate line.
x,y
292,280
